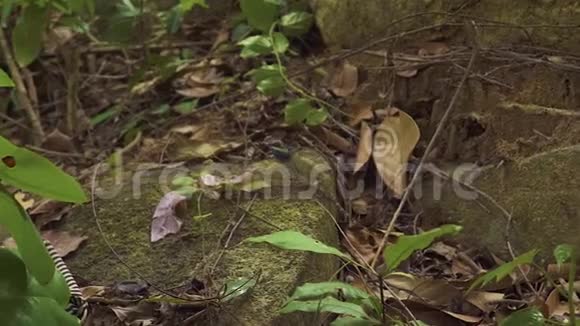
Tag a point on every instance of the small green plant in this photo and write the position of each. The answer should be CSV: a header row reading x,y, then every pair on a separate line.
x,y
358,307
32,291
264,16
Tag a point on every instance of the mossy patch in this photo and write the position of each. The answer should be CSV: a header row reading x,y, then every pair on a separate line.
x,y
196,251
542,193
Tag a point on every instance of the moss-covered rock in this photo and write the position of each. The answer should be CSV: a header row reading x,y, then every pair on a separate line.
x,y
541,192
196,251
349,23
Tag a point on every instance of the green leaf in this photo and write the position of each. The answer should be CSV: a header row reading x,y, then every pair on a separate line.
x,y
563,253
255,46
182,181
273,86
5,80
240,32
504,270
27,238
187,5
292,240
308,291
297,111
27,34
174,19
33,173
525,317
406,245
268,80
237,288
316,117
328,304
296,23
186,107
23,302
261,14
354,321
279,43
106,115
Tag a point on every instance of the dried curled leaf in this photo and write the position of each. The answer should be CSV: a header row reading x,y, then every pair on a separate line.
x,y
394,142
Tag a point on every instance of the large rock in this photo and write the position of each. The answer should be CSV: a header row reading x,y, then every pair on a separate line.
x,y
349,23
125,219
542,193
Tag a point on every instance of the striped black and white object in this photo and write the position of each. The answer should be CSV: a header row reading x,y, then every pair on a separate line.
x,y
77,306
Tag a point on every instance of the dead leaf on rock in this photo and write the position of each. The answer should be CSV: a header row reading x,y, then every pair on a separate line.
x,y
64,242
345,80
393,143
404,72
365,147
360,112
165,220
59,142
141,314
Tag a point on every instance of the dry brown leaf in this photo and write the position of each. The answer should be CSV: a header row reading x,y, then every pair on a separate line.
x,y
484,301
345,80
433,48
165,218
335,140
222,37
360,112
203,77
393,143
24,200
365,147
92,291
64,242
59,142
362,243
199,92
360,206
406,73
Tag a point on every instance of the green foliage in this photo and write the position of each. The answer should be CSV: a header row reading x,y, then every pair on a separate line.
x,y
27,34
563,253
261,14
504,270
331,305
5,80
187,5
269,81
33,173
528,317
302,111
237,288
406,245
292,240
32,292
24,302
354,321
317,290
296,23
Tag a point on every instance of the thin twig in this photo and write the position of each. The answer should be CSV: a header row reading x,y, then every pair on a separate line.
x,y
430,146
21,91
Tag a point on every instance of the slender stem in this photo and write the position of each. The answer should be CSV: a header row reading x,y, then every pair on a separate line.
x,y
571,290
21,91
430,146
